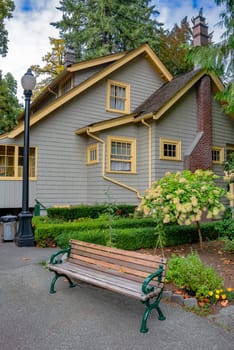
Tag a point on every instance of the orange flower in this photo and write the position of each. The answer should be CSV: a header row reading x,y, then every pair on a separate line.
x,y
223,296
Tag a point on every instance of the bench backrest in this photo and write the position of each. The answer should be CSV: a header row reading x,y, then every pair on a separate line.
x,y
130,264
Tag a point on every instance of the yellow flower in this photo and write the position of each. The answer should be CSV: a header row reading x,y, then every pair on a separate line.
x,y
211,293
217,296
229,289
217,291
223,296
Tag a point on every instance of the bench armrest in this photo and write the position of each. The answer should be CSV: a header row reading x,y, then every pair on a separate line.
x,y
53,258
148,289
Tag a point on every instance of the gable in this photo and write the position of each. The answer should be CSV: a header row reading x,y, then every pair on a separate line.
x,y
121,59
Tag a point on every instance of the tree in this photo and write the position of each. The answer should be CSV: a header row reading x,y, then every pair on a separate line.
x,y
182,198
100,27
173,51
220,57
54,64
6,9
9,104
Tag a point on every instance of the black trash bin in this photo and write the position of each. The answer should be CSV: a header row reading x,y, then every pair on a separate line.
x,y
9,227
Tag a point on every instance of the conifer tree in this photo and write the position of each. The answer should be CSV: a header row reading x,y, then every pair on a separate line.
x,y
9,104
100,27
6,9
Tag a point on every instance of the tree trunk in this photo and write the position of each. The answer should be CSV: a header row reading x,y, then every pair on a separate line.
x,y
200,234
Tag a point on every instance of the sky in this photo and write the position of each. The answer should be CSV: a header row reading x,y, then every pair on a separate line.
x,y
29,29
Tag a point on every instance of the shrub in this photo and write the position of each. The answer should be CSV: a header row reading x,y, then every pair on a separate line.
x,y
190,273
98,237
91,211
225,227
182,198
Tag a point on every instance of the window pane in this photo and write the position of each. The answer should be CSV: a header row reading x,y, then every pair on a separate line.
x,y
169,150
117,97
216,155
7,154
120,156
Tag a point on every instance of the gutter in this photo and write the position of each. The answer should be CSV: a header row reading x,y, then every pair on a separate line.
x,y
118,183
150,150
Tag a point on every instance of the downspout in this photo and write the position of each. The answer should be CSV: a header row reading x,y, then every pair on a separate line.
x,y
150,150
118,183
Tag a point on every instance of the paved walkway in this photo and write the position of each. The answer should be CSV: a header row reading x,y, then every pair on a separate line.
x,y
87,318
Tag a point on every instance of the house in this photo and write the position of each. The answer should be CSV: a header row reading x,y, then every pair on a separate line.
x,y
104,129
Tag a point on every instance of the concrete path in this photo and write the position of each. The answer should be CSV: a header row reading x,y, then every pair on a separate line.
x,y
85,317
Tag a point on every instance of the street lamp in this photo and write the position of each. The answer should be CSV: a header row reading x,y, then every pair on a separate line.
x,y
24,236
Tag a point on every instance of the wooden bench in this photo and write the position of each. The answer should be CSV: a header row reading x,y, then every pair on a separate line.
x,y
133,274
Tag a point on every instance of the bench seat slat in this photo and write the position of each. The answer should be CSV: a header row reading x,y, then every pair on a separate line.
x,y
101,279
112,272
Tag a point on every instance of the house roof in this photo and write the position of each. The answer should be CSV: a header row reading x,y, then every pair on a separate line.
x,y
158,103
116,62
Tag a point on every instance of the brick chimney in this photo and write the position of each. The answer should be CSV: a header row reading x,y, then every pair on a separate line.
x,y
69,57
200,156
200,30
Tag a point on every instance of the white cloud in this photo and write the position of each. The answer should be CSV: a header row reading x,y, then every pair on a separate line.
x,y
28,34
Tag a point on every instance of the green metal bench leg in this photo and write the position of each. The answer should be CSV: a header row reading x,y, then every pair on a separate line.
x,y
57,275
149,307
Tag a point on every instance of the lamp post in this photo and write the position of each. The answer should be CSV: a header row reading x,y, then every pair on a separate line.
x,y
24,235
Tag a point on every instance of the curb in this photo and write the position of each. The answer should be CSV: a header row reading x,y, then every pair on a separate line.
x,y
179,299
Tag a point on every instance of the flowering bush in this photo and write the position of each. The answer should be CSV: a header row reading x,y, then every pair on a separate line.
x,y
190,273
182,198
221,295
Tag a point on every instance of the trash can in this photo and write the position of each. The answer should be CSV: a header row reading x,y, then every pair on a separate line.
x,y
9,227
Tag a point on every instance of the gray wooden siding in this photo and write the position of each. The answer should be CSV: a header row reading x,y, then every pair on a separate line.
x,y
82,75
62,170
180,123
11,193
222,133
102,190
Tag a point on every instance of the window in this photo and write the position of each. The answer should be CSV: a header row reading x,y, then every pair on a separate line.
x,y
118,97
217,155
170,149
11,161
121,155
66,86
92,154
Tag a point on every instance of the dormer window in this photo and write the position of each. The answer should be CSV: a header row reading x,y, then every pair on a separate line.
x,y
118,97
66,86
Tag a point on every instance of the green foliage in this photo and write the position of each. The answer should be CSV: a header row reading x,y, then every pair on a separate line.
x,y
6,9
177,41
9,104
128,233
98,237
229,165
219,57
92,211
182,198
190,273
54,65
228,245
225,227
100,27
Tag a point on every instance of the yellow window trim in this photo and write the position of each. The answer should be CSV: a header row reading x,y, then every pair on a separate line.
x,y
221,154
176,143
90,148
16,166
127,97
132,160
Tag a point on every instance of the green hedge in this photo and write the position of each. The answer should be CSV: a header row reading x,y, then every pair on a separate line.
x,y
91,211
130,234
